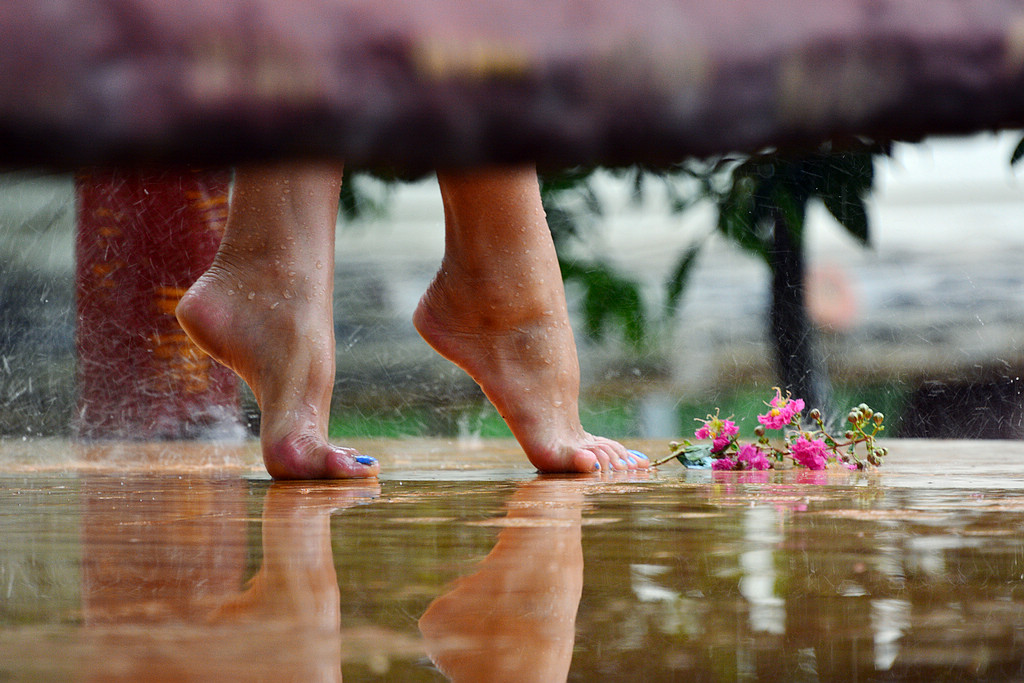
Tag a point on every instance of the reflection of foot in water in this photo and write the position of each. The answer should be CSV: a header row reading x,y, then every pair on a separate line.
x,y
297,580
296,587
514,618
264,309
497,309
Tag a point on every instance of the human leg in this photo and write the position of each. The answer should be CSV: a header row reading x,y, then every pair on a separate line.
x,y
497,309
264,309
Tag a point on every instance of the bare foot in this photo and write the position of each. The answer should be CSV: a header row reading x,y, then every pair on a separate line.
x,y
514,618
497,310
264,309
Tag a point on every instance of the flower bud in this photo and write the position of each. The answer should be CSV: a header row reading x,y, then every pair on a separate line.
x,y
759,431
815,414
878,418
853,417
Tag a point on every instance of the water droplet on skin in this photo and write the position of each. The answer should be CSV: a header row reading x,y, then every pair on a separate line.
x,y
275,305
231,292
319,265
252,295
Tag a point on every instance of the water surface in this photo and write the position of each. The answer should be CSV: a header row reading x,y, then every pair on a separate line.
x,y
179,562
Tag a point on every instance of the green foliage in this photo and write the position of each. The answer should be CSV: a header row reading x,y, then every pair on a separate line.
x,y
679,277
691,456
610,299
1018,153
778,185
749,193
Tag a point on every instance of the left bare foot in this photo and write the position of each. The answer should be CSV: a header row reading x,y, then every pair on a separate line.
x,y
264,309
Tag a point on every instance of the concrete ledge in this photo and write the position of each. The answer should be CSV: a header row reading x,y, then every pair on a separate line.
x,y
414,84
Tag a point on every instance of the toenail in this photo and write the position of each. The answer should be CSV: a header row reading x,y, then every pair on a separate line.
x,y
639,454
366,460
597,465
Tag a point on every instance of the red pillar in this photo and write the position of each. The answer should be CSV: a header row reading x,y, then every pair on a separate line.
x,y
143,239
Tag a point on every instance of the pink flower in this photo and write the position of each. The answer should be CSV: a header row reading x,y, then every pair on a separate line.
x,y
782,410
719,431
752,458
811,454
720,444
723,464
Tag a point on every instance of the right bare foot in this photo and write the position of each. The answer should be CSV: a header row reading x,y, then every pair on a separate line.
x,y
497,309
264,310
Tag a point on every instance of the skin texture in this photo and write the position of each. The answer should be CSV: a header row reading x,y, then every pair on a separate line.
x,y
496,309
514,617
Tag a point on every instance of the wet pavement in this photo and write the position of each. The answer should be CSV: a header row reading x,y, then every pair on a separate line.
x,y
184,562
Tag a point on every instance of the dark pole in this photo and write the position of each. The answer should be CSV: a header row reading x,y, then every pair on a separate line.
x,y
801,368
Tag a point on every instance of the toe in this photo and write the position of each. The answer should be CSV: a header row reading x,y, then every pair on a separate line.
x,y
307,456
345,463
642,461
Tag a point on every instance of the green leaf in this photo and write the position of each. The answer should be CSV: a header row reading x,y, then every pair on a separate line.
x,y
852,214
1018,153
738,216
678,279
846,179
607,298
694,457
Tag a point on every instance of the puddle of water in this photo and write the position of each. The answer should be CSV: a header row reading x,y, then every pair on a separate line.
x,y
192,566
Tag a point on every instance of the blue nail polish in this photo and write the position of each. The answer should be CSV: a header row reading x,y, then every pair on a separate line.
x,y
366,460
597,465
639,454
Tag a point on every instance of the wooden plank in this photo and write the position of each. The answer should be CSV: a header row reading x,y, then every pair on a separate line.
x,y
415,84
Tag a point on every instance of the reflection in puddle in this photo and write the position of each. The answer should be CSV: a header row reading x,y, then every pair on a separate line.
x,y
499,576
757,563
889,617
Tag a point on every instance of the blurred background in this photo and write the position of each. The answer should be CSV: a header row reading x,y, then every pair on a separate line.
x,y
917,310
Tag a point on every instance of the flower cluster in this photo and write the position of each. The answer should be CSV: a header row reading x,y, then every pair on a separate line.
x,y
806,445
